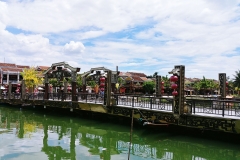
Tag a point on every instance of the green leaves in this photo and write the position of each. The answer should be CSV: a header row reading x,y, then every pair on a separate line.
x,y
148,86
236,79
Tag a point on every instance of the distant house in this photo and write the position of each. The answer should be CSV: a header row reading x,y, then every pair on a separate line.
x,y
10,73
133,81
41,69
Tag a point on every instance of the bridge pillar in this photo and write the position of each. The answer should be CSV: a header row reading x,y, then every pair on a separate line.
x,y
179,99
23,90
74,85
1,92
46,95
159,86
9,90
107,89
222,84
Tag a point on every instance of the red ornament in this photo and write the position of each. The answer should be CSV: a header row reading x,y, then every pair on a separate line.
x,y
102,79
162,82
17,90
174,78
226,82
162,91
174,93
18,85
174,86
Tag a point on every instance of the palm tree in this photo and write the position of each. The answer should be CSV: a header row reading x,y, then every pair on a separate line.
x,y
155,74
236,79
204,84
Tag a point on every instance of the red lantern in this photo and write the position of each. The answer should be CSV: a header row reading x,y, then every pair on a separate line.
x,y
162,87
162,82
69,89
226,82
50,86
174,86
174,78
162,91
18,85
102,79
174,93
17,90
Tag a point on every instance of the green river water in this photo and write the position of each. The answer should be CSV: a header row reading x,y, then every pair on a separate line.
x,y
35,135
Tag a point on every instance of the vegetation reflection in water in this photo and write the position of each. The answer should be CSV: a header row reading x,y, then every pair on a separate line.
x,y
27,135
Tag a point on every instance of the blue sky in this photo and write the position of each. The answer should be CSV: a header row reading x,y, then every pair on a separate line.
x,y
138,36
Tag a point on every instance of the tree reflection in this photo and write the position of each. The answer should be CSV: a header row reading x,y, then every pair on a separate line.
x,y
106,140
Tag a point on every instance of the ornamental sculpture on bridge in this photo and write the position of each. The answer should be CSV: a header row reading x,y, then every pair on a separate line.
x,y
59,71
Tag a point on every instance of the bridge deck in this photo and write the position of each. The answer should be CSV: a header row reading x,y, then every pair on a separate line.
x,y
229,109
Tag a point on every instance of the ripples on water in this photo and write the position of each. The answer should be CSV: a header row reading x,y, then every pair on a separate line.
x,y
29,135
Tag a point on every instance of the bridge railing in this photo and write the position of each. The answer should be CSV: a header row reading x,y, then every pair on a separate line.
x,y
89,98
221,107
217,107
148,102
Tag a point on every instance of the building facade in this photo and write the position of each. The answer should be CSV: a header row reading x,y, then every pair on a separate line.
x,y
10,73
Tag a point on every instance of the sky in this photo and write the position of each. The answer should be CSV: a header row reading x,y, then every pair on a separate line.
x,y
137,36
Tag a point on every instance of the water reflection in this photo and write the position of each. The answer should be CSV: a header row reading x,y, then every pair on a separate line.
x,y
25,135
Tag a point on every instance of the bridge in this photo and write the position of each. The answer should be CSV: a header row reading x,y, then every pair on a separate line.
x,y
205,113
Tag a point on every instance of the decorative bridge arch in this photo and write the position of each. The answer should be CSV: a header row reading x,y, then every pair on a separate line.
x,y
59,71
109,81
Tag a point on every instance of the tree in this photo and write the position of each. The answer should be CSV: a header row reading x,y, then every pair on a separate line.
x,y
92,83
236,80
120,81
32,77
166,84
79,81
155,74
148,86
53,82
205,84
197,86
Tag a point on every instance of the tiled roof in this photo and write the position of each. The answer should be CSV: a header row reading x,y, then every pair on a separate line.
x,y
137,74
144,78
8,65
12,69
21,66
137,79
123,74
42,68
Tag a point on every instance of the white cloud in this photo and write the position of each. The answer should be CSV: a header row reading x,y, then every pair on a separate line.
x,y
76,47
149,36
